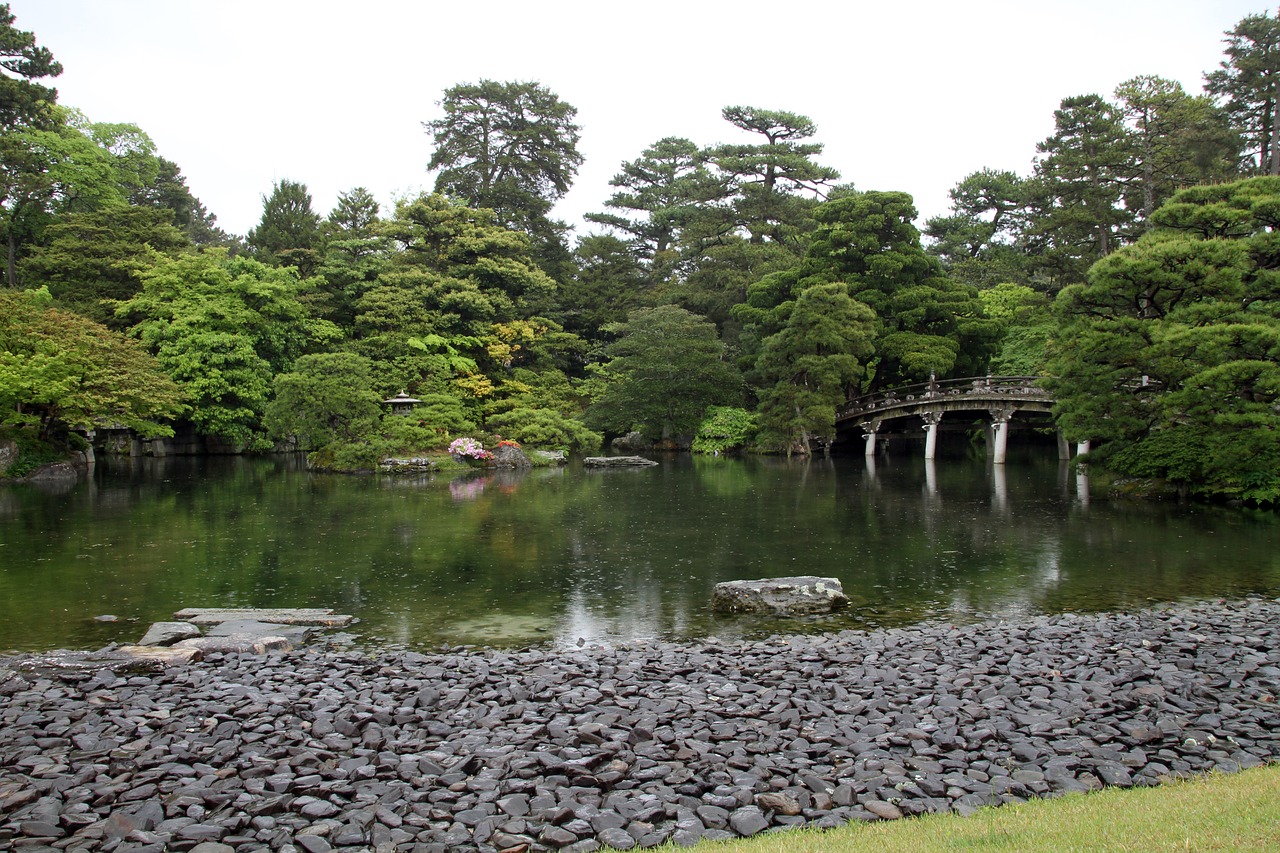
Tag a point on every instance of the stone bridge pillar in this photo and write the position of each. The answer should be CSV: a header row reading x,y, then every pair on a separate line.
x,y
869,436
1000,442
931,421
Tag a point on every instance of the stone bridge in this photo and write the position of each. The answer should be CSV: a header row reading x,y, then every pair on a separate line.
x,y
1000,396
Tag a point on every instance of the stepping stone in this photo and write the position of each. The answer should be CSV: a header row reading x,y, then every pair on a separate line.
x,y
319,617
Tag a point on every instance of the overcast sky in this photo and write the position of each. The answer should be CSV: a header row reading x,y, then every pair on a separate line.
x,y
907,95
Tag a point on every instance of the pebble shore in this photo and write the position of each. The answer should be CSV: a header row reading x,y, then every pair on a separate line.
x,y
602,748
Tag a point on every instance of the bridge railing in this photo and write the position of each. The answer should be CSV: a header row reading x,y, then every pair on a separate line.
x,y
969,386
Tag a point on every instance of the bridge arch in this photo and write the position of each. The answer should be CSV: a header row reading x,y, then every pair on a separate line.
x,y
1000,397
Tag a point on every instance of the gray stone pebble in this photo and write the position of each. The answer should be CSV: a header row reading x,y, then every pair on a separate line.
x,y
630,747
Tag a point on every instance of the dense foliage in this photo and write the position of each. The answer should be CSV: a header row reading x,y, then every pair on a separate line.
x,y
61,371
731,295
1171,352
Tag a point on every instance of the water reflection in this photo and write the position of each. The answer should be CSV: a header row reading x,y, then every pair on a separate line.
x,y
558,555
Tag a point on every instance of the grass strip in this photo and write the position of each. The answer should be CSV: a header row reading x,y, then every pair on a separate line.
x,y
1237,812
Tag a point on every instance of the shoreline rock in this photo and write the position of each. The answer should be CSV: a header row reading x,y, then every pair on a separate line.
x,y
631,746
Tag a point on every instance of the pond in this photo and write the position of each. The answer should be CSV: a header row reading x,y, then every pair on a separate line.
x,y
568,554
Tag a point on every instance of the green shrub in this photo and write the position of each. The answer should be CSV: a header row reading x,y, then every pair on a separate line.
x,y
544,429
32,452
724,429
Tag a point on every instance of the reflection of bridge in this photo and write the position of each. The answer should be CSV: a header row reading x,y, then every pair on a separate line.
x,y
1000,396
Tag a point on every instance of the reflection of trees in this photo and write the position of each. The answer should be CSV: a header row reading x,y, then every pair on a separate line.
x,y
557,553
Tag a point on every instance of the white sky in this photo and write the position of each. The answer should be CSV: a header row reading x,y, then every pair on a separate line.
x,y
907,95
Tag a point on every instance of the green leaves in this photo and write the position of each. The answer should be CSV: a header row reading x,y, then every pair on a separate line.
x,y
814,362
327,398
22,100
1172,351
665,369
511,148
63,371
223,327
1246,81
289,232
925,322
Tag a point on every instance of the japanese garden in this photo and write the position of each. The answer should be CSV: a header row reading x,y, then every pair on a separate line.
x,y
1036,440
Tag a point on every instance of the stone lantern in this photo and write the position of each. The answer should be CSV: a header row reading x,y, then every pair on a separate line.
x,y
402,404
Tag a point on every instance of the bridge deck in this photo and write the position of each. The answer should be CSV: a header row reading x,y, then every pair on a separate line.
x,y
974,393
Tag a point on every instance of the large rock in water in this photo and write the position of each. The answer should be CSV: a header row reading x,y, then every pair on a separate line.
x,y
510,456
617,462
800,596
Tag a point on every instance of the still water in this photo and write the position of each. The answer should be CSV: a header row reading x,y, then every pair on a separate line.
x,y
555,556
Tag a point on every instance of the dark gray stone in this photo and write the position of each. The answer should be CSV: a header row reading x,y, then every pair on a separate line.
x,y
748,821
168,633
664,742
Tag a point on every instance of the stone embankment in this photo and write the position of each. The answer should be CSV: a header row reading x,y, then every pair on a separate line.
x,y
630,747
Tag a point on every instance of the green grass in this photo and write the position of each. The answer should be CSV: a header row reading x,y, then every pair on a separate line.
x,y
1239,812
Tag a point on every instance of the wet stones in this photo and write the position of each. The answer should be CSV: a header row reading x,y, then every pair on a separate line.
x,y
630,747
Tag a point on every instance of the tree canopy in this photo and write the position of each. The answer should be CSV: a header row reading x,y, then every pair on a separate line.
x,y
664,371
23,101
1171,352
60,371
511,147
723,275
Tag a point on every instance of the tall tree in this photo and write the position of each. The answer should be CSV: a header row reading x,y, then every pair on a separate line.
x,y
222,328
169,191
609,283
1171,353
1078,193
668,189
815,363
1247,84
1178,140
288,234
46,172
90,260
435,311
666,368
770,176
926,323
511,147
356,251
978,241
22,100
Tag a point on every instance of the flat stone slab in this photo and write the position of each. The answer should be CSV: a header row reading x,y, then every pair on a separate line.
x,y
320,617
413,465
164,655
122,660
236,643
295,634
168,633
794,596
617,462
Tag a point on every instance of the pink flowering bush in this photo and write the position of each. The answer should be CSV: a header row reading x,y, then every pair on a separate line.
x,y
469,449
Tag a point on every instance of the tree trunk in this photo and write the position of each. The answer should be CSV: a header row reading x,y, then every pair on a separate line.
x,y
11,271
1274,130
1148,190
